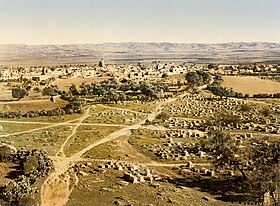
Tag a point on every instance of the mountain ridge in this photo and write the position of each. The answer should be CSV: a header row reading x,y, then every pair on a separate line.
x,y
134,52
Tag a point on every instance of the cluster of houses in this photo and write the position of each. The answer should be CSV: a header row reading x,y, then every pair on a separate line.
x,y
136,72
43,73
244,70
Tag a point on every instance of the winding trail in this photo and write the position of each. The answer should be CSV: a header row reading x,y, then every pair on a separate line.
x,y
56,190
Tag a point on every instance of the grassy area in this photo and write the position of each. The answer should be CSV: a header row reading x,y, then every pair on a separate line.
x,y
109,150
117,149
46,119
13,128
47,139
85,136
106,187
138,107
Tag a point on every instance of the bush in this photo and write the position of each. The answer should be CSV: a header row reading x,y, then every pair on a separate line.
x,y
163,116
19,93
6,152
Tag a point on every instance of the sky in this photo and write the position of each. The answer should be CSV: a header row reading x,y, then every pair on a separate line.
x,y
100,21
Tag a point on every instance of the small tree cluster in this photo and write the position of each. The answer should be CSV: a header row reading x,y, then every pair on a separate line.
x,y
198,78
276,95
51,91
112,91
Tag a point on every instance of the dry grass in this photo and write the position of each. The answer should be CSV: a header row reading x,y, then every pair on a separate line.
x,y
46,119
46,139
251,85
85,136
143,107
32,106
105,187
15,127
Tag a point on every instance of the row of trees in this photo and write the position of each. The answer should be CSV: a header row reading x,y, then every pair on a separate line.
x,y
225,92
71,108
276,95
120,91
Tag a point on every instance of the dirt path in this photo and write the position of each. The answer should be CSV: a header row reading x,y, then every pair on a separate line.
x,y
50,196
82,118
64,124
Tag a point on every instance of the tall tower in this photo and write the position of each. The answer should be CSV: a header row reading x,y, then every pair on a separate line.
x,y
101,62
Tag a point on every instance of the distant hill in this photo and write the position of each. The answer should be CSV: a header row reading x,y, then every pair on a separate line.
x,y
131,52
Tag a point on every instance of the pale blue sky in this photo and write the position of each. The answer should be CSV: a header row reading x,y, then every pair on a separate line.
x,y
97,21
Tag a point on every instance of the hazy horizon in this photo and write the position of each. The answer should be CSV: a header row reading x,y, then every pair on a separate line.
x,y
61,22
151,42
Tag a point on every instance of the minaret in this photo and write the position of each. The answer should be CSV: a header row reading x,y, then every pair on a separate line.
x,y
101,62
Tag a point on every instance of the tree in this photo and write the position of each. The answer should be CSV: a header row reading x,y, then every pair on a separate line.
x,y
134,86
19,93
164,75
198,78
114,96
194,79
226,153
150,90
220,91
73,89
51,91
125,87
101,63
266,176
259,165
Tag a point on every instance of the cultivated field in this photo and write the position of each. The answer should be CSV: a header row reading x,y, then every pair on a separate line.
x,y
29,105
251,85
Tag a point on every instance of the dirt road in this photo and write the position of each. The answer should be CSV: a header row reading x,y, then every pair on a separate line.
x,y
82,118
